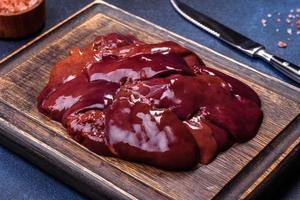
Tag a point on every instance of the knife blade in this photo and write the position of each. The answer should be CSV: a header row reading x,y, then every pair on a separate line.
x,y
235,39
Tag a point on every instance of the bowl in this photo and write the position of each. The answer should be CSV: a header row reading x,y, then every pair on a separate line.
x,y
17,25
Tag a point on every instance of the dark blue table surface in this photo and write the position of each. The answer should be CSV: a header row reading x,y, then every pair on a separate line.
x,y
21,180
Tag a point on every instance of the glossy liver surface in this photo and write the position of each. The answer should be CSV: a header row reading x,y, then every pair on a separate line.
x,y
150,103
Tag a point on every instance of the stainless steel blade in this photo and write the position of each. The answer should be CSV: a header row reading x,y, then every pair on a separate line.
x,y
236,40
220,31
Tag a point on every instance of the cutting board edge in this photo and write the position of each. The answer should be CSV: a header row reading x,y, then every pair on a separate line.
x,y
287,143
11,56
11,133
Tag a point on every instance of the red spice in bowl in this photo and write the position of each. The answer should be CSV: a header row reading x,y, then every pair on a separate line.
x,y
16,6
21,18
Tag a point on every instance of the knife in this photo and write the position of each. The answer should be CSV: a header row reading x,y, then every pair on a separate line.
x,y
236,40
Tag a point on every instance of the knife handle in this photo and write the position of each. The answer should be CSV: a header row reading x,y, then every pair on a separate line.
x,y
289,69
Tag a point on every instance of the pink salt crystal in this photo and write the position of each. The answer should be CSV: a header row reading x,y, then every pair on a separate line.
x,y
298,23
281,44
14,6
264,22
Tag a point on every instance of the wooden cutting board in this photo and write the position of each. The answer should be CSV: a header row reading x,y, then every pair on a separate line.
x,y
236,173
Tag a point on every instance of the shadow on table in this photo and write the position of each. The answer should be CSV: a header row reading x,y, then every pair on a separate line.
x,y
285,183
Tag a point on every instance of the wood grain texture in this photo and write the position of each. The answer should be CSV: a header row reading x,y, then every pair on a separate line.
x,y
24,77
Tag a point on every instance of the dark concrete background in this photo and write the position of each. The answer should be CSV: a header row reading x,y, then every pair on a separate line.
x,y
21,180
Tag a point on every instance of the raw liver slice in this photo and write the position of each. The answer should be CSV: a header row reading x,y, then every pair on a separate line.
x,y
140,132
156,104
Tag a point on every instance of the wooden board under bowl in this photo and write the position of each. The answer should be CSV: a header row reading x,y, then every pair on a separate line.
x,y
236,173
